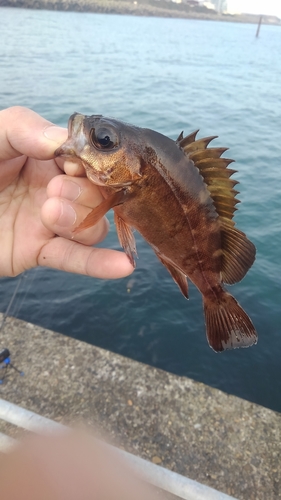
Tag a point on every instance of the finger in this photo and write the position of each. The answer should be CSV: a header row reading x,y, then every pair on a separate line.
x,y
73,257
78,189
61,217
73,168
69,465
24,132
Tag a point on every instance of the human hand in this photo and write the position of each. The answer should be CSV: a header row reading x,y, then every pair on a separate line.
x,y
40,205
69,466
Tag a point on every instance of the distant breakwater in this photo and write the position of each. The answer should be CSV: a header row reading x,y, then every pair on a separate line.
x,y
153,8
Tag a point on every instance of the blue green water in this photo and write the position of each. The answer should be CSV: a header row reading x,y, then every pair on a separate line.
x,y
169,75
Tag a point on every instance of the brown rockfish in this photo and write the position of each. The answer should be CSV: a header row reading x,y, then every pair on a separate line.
x,y
179,196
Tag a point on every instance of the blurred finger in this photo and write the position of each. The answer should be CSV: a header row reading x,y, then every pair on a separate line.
x,y
24,132
69,466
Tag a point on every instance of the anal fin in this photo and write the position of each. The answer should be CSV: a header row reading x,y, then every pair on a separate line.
x,y
98,212
126,238
176,274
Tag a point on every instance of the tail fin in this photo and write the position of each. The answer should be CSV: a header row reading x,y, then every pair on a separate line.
x,y
228,326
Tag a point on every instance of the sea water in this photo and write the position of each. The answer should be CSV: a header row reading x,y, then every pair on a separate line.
x,y
169,75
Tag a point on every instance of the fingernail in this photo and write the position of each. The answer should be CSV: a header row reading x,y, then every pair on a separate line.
x,y
70,190
56,134
68,215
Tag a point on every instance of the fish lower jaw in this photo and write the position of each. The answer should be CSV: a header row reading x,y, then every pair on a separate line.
x,y
94,178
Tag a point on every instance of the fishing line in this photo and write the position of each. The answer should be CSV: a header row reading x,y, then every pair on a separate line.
x,y
27,288
5,360
11,300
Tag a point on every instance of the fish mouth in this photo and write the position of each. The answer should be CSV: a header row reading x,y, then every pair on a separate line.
x,y
92,176
76,141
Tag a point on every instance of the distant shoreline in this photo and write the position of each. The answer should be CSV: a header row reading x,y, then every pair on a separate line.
x,y
155,8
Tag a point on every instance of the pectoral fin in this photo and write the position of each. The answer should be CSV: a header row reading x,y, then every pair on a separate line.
x,y
176,274
126,238
98,212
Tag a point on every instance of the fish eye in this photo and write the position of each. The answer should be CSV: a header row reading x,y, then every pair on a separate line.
x,y
104,138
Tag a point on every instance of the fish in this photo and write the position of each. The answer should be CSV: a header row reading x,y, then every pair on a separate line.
x,y
179,195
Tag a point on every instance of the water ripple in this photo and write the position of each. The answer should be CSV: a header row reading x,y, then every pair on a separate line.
x,y
169,75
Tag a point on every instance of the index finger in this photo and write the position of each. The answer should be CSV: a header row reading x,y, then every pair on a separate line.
x,y
24,132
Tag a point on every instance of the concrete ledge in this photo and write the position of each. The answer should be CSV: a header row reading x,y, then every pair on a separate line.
x,y
216,439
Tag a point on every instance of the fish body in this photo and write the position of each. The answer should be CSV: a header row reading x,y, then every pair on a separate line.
x,y
179,196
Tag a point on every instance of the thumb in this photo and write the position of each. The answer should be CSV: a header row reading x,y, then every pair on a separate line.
x,y
24,132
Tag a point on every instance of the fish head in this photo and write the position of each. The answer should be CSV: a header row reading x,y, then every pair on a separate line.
x,y
109,150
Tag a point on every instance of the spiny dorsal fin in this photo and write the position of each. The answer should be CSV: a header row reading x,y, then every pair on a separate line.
x,y
238,253
189,145
207,153
180,138
184,142
214,171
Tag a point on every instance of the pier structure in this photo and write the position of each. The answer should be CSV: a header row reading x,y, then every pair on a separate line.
x,y
214,440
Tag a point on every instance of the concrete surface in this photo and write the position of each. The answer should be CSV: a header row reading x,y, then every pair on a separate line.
x,y
219,440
